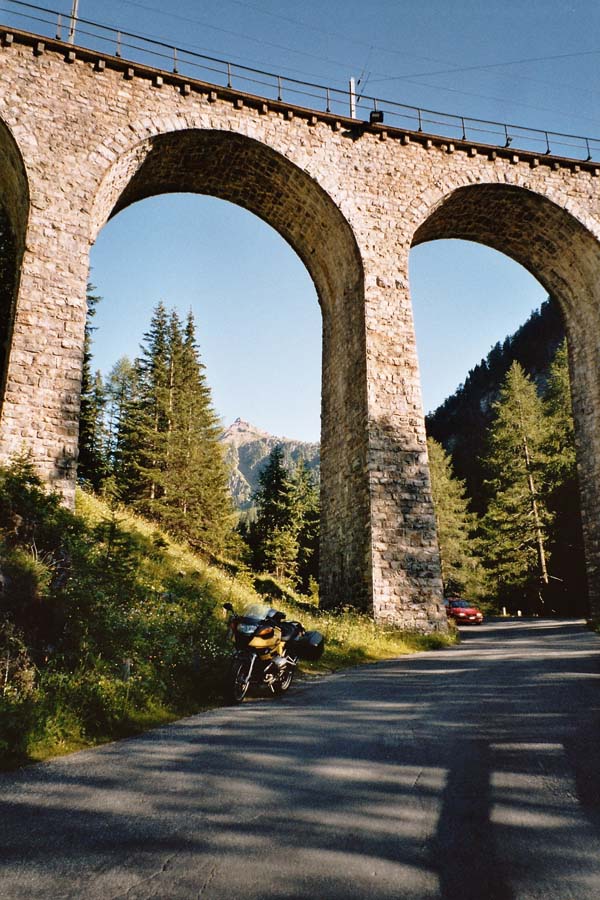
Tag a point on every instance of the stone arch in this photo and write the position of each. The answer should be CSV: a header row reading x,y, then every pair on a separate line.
x,y
545,238
14,216
563,254
249,173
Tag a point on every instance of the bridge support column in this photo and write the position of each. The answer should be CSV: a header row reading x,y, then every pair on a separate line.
x,y
407,585
379,543
40,412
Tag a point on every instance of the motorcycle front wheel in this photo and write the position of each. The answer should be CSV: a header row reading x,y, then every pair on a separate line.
x,y
238,682
284,681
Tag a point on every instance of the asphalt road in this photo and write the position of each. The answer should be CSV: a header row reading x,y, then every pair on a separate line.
x,y
471,773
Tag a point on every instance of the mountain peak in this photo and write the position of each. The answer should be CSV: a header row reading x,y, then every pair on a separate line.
x,y
240,432
247,450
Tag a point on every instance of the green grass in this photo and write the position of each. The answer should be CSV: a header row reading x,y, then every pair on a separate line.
x,y
108,587
352,639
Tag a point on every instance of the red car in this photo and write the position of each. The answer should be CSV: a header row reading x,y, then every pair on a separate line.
x,y
462,612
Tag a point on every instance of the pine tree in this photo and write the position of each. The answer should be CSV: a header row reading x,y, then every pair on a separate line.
x,y
92,464
560,446
165,436
280,550
274,497
284,536
159,436
462,571
195,499
274,518
307,504
517,520
121,388
569,587
152,406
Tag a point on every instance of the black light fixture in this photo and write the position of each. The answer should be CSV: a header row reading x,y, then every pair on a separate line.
x,y
376,117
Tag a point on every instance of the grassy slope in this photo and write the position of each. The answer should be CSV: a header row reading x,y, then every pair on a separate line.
x,y
137,604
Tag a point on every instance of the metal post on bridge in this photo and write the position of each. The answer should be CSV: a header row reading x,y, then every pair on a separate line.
x,y
352,99
73,23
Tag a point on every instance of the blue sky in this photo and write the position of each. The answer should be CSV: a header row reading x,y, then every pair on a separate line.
x,y
535,63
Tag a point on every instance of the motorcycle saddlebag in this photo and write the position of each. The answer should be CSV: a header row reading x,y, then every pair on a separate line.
x,y
308,646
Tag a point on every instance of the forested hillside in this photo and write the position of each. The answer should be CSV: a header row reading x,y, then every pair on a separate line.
x,y
504,475
462,422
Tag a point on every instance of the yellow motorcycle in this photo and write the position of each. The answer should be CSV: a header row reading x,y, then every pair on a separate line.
x,y
266,650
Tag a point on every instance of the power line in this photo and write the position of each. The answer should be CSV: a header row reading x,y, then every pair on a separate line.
x,y
404,53
512,102
373,47
335,34
197,48
380,77
231,33
484,67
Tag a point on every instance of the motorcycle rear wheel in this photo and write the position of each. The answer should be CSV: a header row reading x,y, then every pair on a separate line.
x,y
237,680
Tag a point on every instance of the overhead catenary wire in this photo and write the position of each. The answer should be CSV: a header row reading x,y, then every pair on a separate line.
x,y
449,90
381,77
227,31
375,47
487,66
378,77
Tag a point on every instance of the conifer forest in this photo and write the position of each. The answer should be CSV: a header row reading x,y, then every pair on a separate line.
x,y
504,477
501,451
149,438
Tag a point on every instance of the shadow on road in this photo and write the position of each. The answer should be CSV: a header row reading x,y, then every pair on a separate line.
x,y
465,854
468,773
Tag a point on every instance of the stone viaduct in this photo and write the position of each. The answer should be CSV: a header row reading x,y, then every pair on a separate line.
x,y
82,136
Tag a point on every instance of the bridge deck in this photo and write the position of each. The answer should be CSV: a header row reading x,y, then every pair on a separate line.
x,y
354,127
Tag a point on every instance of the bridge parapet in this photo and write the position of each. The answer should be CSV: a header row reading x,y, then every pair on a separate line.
x,y
161,60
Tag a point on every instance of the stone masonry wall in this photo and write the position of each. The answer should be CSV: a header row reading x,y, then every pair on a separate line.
x,y
96,134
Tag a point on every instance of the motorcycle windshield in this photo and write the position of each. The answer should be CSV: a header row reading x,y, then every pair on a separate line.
x,y
258,611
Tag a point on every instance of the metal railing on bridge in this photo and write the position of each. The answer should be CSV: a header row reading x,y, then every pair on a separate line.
x,y
271,86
